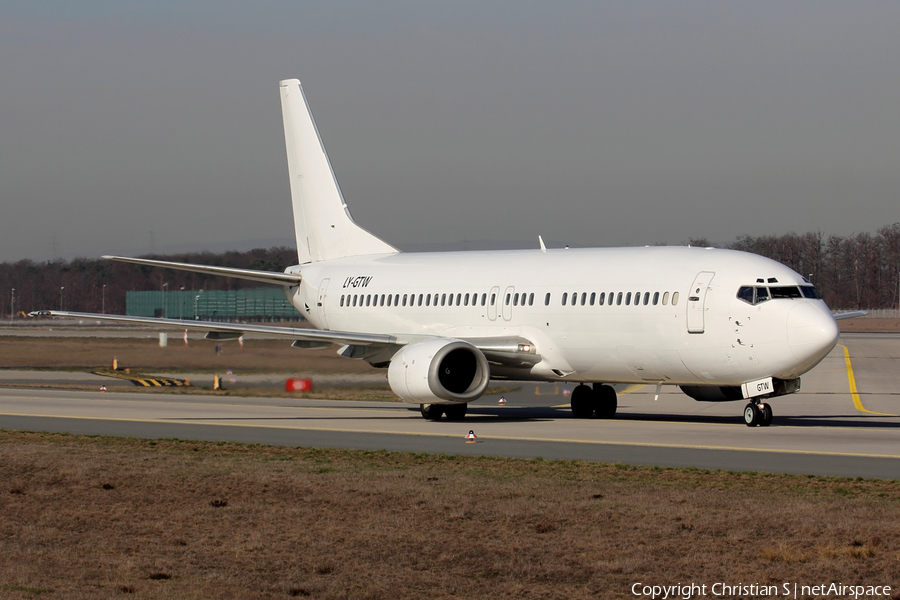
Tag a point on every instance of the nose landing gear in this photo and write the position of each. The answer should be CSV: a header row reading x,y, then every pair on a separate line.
x,y
758,413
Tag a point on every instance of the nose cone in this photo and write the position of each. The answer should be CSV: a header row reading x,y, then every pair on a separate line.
x,y
812,333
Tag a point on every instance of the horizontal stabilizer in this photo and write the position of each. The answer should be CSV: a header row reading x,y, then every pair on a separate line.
x,y
260,276
849,315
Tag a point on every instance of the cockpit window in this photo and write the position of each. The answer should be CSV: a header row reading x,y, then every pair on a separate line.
x,y
753,295
788,291
809,291
746,294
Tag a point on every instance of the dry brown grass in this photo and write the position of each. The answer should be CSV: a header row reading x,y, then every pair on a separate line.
x,y
144,354
870,325
88,517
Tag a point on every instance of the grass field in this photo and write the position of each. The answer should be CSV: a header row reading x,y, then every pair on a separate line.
x,y
144,354
90,517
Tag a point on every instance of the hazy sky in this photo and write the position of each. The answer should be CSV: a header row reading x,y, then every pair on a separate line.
x,y
595,123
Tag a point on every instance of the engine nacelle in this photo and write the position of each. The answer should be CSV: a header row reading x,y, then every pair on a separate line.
x,y
439,371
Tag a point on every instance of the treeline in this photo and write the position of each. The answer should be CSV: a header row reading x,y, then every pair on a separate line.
x,y
96,285
858,271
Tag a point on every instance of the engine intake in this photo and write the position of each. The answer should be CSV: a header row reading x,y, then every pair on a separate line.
x,y
439,371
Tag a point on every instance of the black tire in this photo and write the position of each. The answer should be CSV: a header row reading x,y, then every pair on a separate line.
x,y
605,401
752,415
455,412
432,412
766,415
582,402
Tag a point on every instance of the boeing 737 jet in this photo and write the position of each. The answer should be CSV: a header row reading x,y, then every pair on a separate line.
x,y
721,324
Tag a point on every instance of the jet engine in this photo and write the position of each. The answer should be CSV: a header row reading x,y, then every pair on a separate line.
x,y
439,371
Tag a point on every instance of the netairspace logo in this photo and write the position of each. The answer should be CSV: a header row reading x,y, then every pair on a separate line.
x,y
793,590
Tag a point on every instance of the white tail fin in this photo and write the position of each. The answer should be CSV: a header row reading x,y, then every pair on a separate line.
x,y
322,222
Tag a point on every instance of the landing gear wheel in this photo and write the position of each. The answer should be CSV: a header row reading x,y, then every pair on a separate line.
x,y
752,416
432,412
455,412
766,415
605,401
582,402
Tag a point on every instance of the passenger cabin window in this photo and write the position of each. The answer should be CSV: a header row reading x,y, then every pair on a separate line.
x,y
628,299
565,297
547,299
531,299
619,299
665,298
655,298
602,298
674,298
493,299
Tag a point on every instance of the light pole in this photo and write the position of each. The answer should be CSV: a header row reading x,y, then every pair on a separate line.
x,y
165,300
196,300
62,289
103,302
12,306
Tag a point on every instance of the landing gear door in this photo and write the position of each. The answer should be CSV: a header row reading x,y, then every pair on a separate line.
x,y
320,303
696,304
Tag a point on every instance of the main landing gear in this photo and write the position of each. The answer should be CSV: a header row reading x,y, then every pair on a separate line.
x,y
758,413
454,412
600,401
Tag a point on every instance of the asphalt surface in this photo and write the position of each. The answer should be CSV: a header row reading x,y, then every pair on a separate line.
x,y
825,429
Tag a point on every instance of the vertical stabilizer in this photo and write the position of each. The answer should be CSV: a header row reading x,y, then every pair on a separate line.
x,y
322,223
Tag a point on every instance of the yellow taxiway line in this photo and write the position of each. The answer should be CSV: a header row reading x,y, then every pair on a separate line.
x,y
854,393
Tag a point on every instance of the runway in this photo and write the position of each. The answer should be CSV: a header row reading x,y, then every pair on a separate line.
x,y
843,422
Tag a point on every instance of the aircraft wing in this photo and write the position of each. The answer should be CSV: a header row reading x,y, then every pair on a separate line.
x,y
849,315
513,352
225,331
260,276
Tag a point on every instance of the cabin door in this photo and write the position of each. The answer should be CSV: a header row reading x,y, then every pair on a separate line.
x,y
493,300
696,304
508,302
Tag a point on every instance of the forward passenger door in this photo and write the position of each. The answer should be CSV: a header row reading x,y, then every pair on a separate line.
x,y
696,304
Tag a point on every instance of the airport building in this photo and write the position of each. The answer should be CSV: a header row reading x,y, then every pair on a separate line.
x,y
255,304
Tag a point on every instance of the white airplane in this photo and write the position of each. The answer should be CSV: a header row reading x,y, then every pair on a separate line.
x,y
721,324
